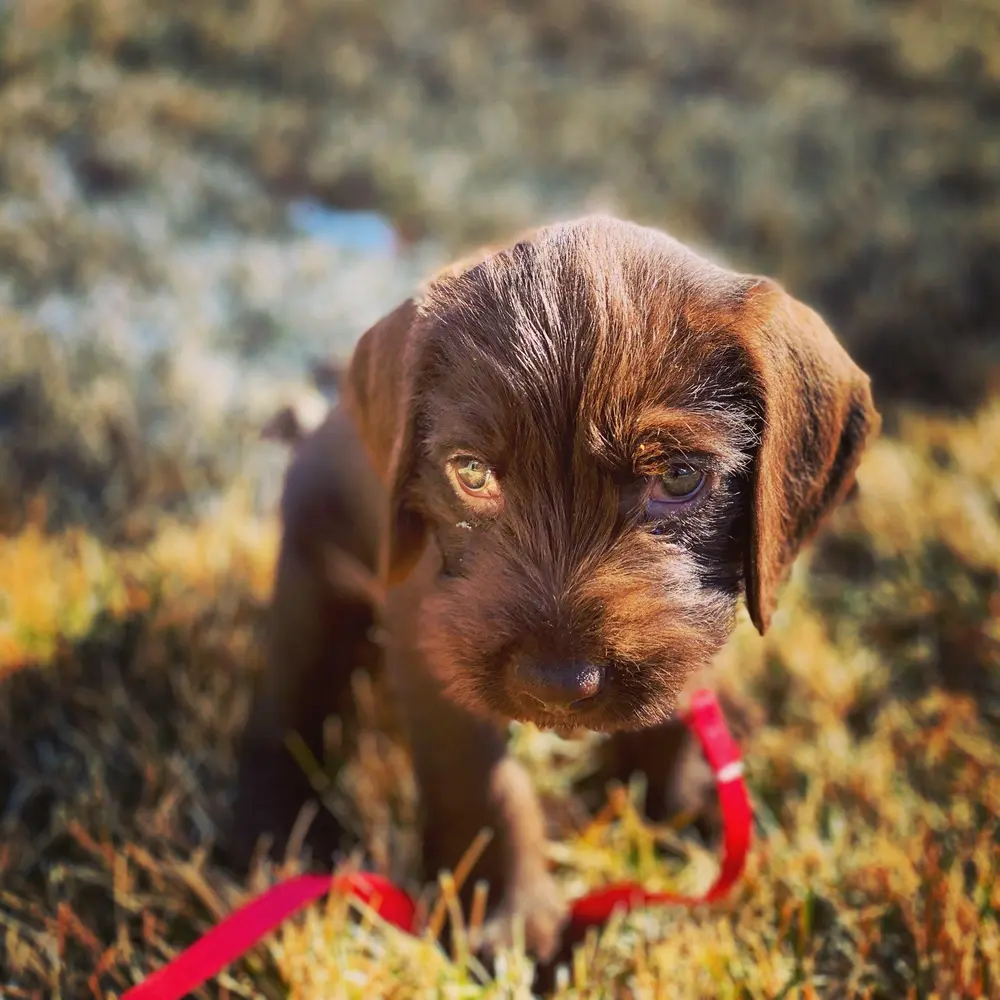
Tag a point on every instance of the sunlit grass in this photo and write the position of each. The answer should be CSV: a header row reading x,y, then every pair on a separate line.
x,y
53,587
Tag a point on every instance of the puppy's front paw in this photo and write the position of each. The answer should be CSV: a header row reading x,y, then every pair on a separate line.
x,y
538,903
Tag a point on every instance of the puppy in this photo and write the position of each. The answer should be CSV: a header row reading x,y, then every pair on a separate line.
x,y
564,462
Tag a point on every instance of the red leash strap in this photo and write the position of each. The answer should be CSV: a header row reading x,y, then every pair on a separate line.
x,y
242,929
705,718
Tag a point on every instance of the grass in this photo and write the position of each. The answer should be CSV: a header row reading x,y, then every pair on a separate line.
x,y
868,715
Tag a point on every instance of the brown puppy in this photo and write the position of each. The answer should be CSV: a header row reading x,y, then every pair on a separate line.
x,y
566,460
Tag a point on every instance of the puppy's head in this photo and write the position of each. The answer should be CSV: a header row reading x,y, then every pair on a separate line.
x,y
606,439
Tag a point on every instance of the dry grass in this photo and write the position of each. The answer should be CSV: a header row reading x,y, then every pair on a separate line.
x,y
871,715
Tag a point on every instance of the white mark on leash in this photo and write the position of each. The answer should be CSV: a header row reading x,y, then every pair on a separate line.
x,y
731,772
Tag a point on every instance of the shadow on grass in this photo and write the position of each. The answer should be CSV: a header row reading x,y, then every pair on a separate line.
x,y
116,767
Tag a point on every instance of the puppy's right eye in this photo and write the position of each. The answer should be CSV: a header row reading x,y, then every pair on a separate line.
x,y
474,478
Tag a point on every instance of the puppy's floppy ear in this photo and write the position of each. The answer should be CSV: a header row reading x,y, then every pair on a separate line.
x,y
817,415
380,392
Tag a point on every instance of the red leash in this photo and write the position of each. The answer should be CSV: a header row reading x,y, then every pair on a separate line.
x,y
235,935
704,717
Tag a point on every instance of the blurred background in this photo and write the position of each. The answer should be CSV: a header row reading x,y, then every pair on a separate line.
x,y
166,171
201,199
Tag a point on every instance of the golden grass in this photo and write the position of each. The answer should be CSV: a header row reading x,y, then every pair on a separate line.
x,y
869,717
53,587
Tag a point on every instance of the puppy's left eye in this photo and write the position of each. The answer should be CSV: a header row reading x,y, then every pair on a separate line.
x,y
680,482
474,478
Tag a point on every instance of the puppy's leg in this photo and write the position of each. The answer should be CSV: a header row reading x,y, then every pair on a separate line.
x,y
468,782
318,635
316,642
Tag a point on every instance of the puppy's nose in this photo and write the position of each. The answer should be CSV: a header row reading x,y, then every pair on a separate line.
x,y
559,685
